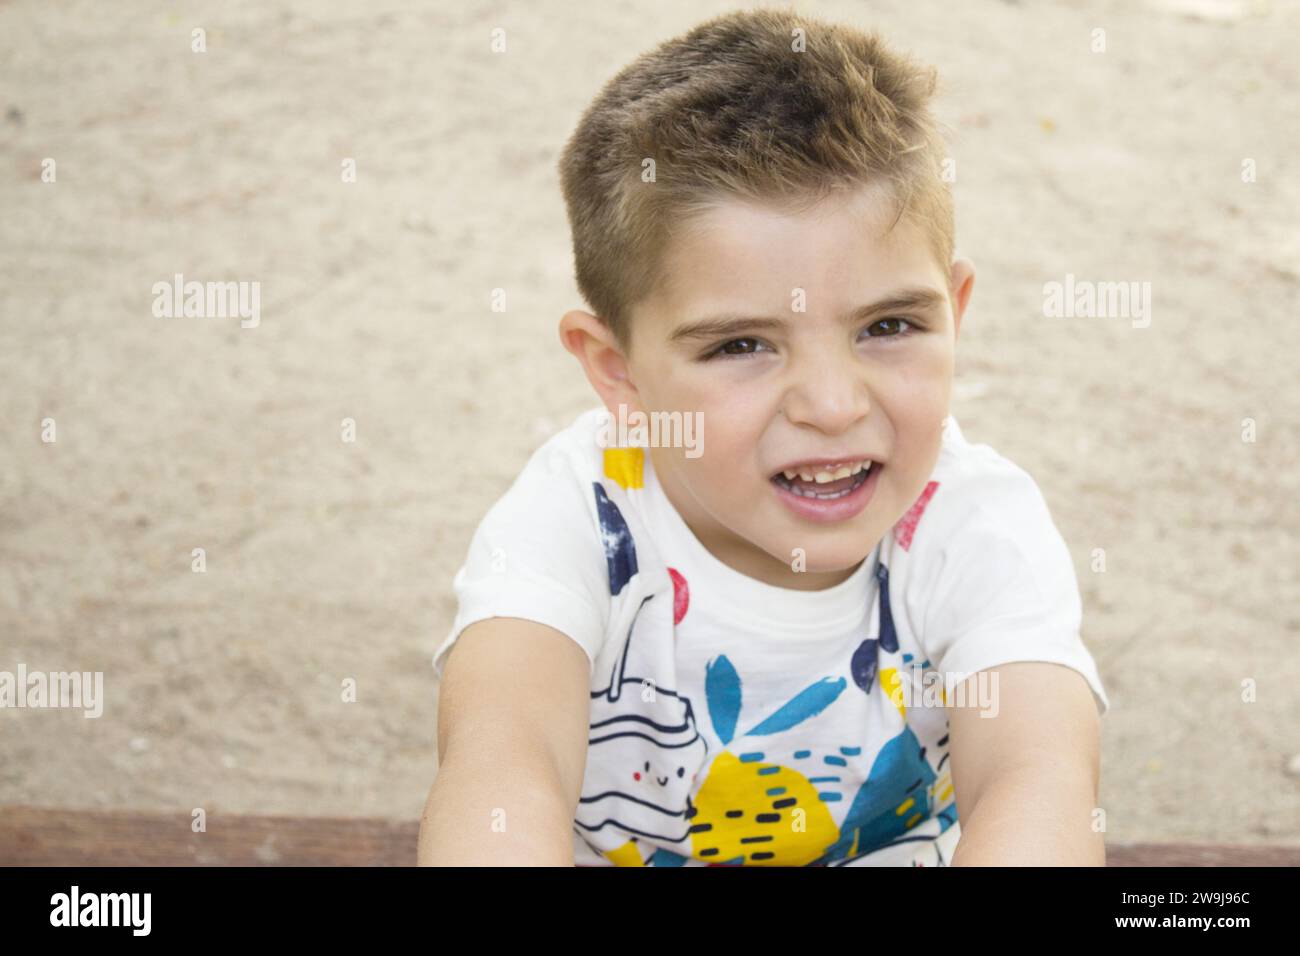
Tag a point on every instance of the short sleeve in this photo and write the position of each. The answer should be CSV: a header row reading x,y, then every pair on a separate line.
x,y
1000,585
537,554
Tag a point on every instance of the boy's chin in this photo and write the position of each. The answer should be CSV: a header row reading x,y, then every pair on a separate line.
x,y
835,563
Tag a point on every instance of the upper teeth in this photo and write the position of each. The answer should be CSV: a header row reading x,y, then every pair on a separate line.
x,y
823,475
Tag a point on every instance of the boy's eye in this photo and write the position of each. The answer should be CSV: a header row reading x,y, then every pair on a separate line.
x,y
893,326
736,347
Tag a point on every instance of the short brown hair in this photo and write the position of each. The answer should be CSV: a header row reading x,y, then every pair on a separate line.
x,y
734,108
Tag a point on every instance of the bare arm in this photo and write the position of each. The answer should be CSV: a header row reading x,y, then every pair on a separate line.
x,y
513,719
1026,779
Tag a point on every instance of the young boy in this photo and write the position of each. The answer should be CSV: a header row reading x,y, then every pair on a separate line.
x,y
801,620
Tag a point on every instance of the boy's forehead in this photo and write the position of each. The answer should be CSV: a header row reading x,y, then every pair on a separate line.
x,y
742,255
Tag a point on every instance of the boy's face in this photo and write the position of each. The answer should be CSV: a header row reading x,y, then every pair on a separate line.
x,y
795,379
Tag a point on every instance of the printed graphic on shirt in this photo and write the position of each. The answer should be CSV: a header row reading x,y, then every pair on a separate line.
x,y
652,795
643,751
620,553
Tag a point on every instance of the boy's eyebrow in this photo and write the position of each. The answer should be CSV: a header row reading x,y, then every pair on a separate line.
x,y
920,297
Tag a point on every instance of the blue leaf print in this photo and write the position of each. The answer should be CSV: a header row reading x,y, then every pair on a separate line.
x,y
620,551
888,638
809,702
863,665
722,695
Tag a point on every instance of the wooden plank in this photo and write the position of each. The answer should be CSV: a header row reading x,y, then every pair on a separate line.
x,y
1201,854
41,836
35,836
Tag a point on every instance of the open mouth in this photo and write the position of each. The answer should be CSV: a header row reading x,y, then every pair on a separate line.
x,y
808,487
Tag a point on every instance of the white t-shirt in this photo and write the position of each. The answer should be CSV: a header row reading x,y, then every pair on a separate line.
x,y
734,722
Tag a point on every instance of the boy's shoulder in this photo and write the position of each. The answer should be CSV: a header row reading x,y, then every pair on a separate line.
x,y
539,553
974,493
970,464
584,454
984,576
577,470
560,470
573,451
552,499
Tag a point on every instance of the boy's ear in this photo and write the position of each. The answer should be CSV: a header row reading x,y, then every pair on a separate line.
x,y
594,345
961,282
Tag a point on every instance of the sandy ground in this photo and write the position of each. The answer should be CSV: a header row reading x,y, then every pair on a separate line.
x,y
329,561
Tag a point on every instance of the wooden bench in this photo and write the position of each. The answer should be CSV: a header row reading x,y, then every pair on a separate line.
x,y
39,836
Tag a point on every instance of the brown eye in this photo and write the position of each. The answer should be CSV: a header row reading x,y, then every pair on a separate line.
x,y
892,327
736,348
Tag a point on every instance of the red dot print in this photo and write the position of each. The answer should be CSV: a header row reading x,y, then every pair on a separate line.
x,y
681,595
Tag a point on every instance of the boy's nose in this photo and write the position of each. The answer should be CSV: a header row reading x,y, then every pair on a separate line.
x,y
830,396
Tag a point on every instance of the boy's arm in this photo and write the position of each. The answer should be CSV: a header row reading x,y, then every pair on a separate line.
x,y
513,718
1026,780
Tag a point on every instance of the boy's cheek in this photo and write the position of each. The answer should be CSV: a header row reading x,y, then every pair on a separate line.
x,y
909,481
